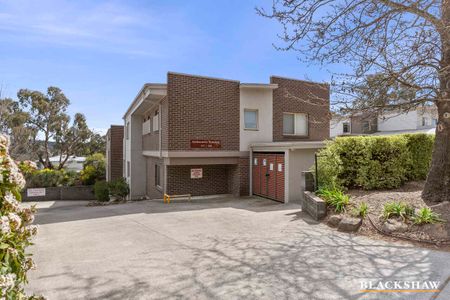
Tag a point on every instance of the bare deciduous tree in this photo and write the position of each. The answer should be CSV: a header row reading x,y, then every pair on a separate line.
x,y
407,41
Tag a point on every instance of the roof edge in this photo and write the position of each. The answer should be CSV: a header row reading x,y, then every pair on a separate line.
x,y
201,76
301,80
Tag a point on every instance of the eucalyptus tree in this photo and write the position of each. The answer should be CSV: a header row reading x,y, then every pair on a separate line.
x,y
406,41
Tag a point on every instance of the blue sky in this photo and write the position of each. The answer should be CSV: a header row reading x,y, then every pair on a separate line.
x,y
100,53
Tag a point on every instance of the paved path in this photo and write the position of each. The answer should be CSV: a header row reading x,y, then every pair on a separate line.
x,y
219,249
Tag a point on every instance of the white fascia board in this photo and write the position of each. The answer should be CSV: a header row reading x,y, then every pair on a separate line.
x,y
270,86
144,92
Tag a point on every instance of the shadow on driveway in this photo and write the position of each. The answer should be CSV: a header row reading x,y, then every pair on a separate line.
x,y
66,211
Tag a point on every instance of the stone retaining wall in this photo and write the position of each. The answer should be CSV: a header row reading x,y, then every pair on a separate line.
x,y
85,192
314,206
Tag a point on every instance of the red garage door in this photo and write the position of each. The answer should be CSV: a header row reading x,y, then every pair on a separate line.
x,y
268,175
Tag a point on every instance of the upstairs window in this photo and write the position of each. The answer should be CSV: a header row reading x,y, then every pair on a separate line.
x,y
156,121
251,119
295,124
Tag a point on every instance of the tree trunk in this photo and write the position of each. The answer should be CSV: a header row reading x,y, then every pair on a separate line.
x,y
437,187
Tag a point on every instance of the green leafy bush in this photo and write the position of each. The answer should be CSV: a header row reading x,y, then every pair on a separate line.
x,y
16,230
94,169
101,191
27,167
374,162
397,209
71,178
119,188
420,147
335,198
45,178
426,216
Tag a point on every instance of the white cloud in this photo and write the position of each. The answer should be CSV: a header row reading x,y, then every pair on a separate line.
x,y
103,26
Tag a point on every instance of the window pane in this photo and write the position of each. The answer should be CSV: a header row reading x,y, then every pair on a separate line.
x,y
346,128
301,124
288,124
251,119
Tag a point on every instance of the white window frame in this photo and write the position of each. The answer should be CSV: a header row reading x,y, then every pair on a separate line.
x,y
158,175
257,119
349,128
295,122
155,122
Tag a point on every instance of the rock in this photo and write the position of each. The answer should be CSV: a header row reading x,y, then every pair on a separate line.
x,y
334,220
349,224
394,226
437,231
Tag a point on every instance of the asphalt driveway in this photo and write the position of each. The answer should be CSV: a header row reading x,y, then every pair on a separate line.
x,y
215,249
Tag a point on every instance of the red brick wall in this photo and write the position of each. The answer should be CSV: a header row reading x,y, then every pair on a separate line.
x,y
297,96
215,180
244,170
202,108
115,157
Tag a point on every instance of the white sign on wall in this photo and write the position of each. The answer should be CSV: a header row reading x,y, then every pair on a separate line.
x,y
255,161
264,162
271,167
196,173
280,167
39,192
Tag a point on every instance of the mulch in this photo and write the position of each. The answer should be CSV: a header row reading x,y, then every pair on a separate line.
x,y
410,193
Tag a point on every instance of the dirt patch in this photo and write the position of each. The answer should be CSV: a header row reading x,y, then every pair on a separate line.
x,y
410,194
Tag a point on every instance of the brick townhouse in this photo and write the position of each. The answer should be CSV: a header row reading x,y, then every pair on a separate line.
x,y
114,152
201,136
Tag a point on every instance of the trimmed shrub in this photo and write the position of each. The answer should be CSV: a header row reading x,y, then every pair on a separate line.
x,y
119,188
45,178
374,162
420,147
101,191
16,230
386,167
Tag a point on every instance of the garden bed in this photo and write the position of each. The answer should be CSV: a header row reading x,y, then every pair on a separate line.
x,y
410,194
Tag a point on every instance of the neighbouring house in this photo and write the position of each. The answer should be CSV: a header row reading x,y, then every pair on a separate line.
x,y
114,152
419,120
73,163
201,136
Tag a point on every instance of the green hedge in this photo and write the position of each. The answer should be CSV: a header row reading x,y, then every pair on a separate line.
x,y
420,146
375,162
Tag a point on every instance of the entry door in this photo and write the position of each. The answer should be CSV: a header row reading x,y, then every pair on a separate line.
x,y
256,174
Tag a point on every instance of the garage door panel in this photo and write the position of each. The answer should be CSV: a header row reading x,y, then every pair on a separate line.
x,y
271,177
268,175
280,177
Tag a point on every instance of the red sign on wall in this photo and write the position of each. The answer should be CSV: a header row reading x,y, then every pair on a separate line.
x,y
212,144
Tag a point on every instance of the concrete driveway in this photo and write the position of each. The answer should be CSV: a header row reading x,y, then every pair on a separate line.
x,y
215,249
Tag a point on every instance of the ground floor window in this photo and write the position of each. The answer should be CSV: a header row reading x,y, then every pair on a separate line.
x,y
346,127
